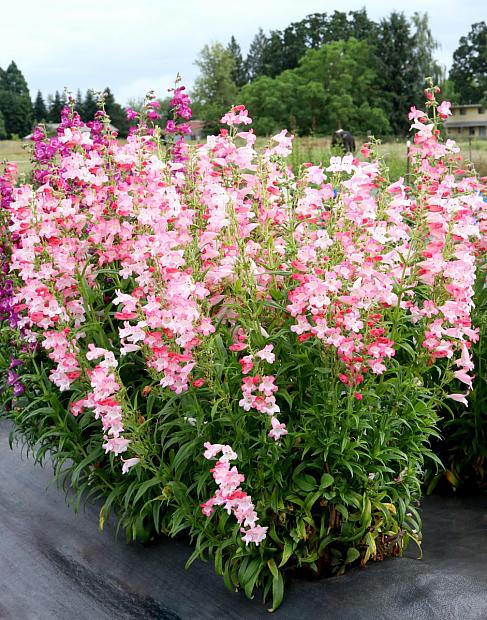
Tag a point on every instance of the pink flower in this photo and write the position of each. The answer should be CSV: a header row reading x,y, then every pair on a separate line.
x,y
254,534
247,364
230,495
131,114
460,398
117,445
267,385
128,464
213,450
267,354
464,377
415,114
238,115
444,109
238,346
278,429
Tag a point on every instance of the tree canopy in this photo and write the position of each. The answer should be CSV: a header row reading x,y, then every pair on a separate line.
x,y
469,69
323,71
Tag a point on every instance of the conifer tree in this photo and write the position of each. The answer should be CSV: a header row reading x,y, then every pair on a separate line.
x,y
90,107
116,113
239,73
255,62
40,110
3,131
15,102
54,113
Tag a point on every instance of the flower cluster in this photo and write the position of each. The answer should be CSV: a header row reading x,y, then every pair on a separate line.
x,y
230,495
7,311
190,293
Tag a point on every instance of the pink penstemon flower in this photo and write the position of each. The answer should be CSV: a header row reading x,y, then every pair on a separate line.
x,y
230,495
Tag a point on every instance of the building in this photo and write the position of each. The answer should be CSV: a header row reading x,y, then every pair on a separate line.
x,y
197,130
468,120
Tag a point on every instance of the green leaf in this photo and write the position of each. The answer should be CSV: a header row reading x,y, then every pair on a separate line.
x,y
145,486
326,481
286,552
352,555
277,591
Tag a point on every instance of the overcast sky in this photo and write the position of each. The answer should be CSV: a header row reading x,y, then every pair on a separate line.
x,y
137,45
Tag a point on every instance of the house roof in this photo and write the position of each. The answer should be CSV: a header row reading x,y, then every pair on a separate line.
x,y
195,124
467,105
479,123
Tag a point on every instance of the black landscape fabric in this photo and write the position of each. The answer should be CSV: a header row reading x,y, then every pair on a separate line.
x,y
55,564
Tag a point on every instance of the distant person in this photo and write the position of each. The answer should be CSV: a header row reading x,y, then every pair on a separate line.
x,y
344,139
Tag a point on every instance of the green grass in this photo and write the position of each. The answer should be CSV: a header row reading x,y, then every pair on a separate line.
x,y
15,150
306,149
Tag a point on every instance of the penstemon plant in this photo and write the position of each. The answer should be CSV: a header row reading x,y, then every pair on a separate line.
x,y
179,304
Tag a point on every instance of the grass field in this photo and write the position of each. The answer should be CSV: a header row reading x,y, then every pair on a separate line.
x,y
394,153
14,150
309,149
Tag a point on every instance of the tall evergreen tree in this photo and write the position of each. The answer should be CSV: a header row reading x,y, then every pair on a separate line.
x,y
54,112
425,46
469,68
281,50
90,107
78,102
255,61
3,131
15,102
214,90
116,113
239,73
273,57
397,69
14,81
294,43
40,110
17,112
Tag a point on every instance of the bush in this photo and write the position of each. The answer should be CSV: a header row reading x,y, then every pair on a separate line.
x,y
217,346
463,445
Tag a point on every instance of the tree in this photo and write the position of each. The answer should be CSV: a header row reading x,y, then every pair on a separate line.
x,y
13,81
3,131
40,110
469,68
255,61
17,113
214,90
90,107
281,50
294,44
15,102
425,46
397,69
56,105
334,86
78,102
117,114
239,73
345,69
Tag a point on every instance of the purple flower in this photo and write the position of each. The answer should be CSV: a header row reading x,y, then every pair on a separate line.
x,y
13,378
18,389
131,114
